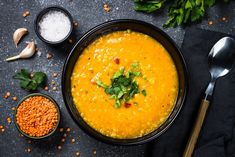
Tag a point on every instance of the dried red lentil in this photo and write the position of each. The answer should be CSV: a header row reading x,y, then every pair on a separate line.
x,y
9,120
106,8
37,116
210,22
77,153
14,98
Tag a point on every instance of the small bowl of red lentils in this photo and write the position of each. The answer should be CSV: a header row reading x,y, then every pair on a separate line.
x,y
37,116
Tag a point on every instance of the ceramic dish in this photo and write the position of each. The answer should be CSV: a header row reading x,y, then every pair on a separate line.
x,y
120,25
57,108
44,12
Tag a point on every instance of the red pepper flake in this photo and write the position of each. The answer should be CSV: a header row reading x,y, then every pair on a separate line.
x,y
127,105
116,60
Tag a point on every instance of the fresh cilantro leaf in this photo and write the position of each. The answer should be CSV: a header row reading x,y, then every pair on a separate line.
x,y
135,65
22,75
118,73
123,86
148,6
39,77
28,83
144,92
180,12
101,84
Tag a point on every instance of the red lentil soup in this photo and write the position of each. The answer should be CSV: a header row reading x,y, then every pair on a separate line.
x,y
124,84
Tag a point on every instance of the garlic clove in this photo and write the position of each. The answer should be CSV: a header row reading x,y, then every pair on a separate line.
x,y
27,52
13,58
18,34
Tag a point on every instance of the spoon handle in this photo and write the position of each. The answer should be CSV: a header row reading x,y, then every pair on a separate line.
x,y
196,129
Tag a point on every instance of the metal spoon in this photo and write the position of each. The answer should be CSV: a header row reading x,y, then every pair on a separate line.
x,y
220,59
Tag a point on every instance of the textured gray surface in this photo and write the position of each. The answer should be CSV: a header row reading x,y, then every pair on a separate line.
x,y
88,14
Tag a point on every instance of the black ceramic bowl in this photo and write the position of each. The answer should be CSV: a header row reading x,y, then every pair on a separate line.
x,y
45,11
117,25
57,108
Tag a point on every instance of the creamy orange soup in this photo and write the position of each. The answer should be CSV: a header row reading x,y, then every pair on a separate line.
x,y
144,112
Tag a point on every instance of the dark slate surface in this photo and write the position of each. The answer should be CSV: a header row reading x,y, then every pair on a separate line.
x,y
88,14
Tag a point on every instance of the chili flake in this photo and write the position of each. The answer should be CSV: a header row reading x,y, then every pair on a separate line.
x,y
116,60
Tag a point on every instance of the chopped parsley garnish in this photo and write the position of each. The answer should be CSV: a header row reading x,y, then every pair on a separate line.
x,y
144,92
123,85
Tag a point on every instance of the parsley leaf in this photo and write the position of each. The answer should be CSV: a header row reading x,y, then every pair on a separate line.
x,y
148,6
180,12
30,83
144,92
123,86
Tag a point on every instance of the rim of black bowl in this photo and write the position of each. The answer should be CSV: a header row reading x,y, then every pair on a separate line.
x,y
57,108
45,11
135,141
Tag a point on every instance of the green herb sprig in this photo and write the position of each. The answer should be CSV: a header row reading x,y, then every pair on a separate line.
x,y
30,83
123,86
180,12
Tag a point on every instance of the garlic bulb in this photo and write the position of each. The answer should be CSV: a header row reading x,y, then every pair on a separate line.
x,y
18,34
26,53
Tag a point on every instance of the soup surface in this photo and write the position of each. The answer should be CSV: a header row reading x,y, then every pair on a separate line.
x,y
137,108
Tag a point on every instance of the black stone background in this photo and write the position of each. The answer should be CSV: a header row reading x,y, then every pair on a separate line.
x,y
88,13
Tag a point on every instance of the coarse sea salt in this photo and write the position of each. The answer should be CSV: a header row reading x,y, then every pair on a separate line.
x,y
54,26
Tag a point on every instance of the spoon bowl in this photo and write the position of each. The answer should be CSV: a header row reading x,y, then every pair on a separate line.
x,y
221,57
220,60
